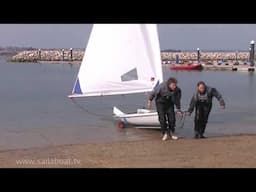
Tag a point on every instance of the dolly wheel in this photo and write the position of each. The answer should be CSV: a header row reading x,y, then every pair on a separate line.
x,y
121,125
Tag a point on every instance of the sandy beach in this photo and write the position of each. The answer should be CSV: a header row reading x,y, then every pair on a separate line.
x,y
213,152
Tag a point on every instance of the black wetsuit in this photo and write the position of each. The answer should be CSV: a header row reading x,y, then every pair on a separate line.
x,y
203,105
165,100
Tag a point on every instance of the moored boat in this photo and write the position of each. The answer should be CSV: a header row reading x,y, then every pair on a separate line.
x,y
189,66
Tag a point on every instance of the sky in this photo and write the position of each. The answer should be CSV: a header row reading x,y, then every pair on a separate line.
x,y
171,36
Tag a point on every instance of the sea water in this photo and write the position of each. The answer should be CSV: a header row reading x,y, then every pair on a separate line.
x,y
35,110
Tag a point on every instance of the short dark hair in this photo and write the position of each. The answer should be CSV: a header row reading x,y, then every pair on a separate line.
x,y
201,83
172,80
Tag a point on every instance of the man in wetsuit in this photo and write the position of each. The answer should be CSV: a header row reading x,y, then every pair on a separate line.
x,y
166,95
202,102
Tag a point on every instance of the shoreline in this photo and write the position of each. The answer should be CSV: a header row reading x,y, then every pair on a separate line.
x,y
214,152
60,62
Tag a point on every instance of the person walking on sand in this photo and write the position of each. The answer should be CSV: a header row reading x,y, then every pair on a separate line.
x,y
166,95
202,102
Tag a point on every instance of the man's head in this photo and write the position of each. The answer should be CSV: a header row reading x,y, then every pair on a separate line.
x,y
172,83
201,86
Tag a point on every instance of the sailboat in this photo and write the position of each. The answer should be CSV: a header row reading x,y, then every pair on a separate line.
x,y
187,66
121,59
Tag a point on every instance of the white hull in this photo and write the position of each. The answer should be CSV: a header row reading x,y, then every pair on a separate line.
x,y
143,118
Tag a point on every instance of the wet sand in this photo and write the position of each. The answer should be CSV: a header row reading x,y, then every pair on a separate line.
x,y
214,152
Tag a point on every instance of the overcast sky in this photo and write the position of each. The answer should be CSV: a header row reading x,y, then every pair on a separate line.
x,y
173,36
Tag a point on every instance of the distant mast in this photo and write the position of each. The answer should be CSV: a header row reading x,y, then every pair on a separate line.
x,y
252,53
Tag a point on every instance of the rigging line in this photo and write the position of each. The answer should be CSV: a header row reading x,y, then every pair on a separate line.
x,y
87,111
182,121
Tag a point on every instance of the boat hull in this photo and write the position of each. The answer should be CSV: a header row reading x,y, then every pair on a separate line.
x,y
189,66
142,118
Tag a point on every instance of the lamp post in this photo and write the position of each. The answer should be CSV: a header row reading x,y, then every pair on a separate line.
x,y
252,53
198,55
39,54
62,54
71,54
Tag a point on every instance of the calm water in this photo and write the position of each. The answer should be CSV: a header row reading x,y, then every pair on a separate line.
x,y
35,110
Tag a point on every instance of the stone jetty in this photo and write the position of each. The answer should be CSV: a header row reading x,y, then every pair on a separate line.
x,y
77,55
235,61
54,55
205,56
210,60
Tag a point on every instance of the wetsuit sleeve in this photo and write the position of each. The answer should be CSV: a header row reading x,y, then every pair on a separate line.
x,y
192,104
216,94
153,93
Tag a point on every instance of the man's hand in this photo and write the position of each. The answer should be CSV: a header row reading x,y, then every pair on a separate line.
x,y
222,106
187,113
179,113
149,104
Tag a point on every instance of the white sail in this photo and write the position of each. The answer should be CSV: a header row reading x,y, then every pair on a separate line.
x,y
120,59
